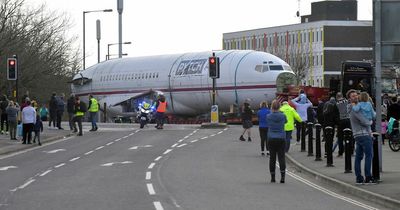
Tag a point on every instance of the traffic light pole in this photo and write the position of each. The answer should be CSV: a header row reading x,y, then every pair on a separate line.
x,y
214,91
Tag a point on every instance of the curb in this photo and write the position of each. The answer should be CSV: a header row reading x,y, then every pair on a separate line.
x,y
347,188
44,141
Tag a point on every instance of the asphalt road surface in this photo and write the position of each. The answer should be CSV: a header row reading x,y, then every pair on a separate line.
x,y
180,167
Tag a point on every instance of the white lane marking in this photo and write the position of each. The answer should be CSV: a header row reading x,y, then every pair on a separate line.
x,y
73,159
185,137
137,131
148,175
148,146
101,147
107,164
132,148
225,129
180,140
87,153
213,135
194,140
190,134
136,147
59,165
151,165
182,145
24,185
326,191
116,140
46,172
125,137
116,163
108,144
167,151
174,145
158,158
126,162
204,137
5,168
54,151
158,205
220,132
151,189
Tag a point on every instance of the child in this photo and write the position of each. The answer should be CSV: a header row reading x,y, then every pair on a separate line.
x,y
37,128
384,125
365,107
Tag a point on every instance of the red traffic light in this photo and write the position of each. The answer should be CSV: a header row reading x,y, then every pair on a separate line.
x,y
212,60
12,62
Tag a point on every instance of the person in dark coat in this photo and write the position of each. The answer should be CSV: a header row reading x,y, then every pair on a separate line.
x,y
53,110
320,114
394,109
3,106
70,110
60,110
247,114
37,128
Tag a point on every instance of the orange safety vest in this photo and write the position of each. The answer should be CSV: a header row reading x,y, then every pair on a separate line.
x,y
162,106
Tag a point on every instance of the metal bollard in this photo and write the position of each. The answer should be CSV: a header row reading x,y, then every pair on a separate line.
x,y
347,135
375,159
329,144
318,142
310,139
303,137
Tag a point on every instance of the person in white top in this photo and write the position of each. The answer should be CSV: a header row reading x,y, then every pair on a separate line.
x,y
28,121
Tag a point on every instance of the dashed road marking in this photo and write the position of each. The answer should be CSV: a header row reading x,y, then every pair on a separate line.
x,y
194,140
101,147
158,205
185,137
213,135
87,153
167,151
24,185
225,129
59,165
151,165
46,172
180,140
158,158
7,167
108,144
150,188
219,132
148,175
132,148
204,137
73,159
117,140
174,145
125,137
182,145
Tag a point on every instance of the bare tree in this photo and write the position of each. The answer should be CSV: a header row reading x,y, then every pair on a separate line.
x,y
46,57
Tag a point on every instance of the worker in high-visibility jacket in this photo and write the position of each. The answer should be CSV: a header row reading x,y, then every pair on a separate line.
x,y
161,107
79,111
93,111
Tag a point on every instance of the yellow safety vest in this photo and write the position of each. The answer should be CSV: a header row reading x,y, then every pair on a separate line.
x,y
79,113
94,106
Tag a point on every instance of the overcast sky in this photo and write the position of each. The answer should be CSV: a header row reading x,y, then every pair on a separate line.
x,y
175,26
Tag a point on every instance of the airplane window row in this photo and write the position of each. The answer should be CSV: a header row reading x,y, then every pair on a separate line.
x,y
151,75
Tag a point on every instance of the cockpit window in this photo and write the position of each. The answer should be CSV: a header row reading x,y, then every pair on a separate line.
x,y
275,67
262,68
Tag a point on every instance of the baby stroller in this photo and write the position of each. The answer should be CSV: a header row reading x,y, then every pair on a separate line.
x,y
393,134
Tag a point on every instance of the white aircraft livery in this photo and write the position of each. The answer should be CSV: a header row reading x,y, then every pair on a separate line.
x,y
184,80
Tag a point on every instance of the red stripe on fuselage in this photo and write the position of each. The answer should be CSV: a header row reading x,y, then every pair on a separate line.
x,y
249,87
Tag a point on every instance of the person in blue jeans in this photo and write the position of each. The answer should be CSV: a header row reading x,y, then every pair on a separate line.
x,y
361,127
263,126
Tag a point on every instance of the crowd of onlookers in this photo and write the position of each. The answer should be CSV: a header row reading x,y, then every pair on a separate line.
x,y
20,120
355,111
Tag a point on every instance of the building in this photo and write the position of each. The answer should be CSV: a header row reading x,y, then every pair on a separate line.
x,y
315,47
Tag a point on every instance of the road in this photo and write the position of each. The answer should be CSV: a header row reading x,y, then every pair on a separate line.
x,y
180,167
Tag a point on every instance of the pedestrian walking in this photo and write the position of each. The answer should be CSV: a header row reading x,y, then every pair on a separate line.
x,y
276,140
344,121
263,126
44,112
93,110
80,108
3,106
291,117
361,128
38,128
60,110
70,110
161,108
331,117
12,114
53,110
247,115
28,121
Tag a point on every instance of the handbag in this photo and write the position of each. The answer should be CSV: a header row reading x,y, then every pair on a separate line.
x,y
19,129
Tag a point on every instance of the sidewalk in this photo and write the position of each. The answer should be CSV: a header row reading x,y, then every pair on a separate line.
x,y
8,146
386,193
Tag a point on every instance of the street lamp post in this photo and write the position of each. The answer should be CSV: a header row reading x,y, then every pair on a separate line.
x,y
84,13
108,48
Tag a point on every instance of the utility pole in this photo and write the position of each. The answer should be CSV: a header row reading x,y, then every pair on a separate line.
x,y
120,7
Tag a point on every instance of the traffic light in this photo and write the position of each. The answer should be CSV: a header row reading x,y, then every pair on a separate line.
x,y
213,66
12,69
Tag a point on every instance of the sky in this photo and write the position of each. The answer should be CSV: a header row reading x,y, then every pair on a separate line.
x,y
175,26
